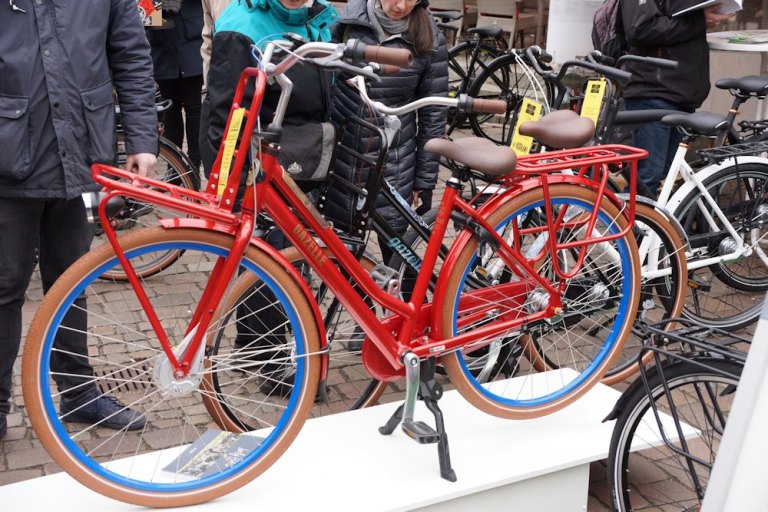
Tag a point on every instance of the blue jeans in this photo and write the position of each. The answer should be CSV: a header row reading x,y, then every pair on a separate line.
x,y
58,229
660,140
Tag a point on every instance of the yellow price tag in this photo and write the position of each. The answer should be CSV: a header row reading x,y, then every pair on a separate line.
x,y
229,148
529,111
593,99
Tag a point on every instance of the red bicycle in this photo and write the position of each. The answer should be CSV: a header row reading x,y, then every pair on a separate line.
x,y
552,255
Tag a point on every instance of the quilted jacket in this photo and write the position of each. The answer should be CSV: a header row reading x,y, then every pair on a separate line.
x,y
408,166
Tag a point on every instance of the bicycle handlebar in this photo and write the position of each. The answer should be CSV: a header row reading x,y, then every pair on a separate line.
x,y
650,61
386,69
464,103
486,106
389,56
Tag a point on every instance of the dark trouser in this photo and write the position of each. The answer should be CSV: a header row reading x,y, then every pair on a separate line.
x,y
260,323
59,230
660,140
185,94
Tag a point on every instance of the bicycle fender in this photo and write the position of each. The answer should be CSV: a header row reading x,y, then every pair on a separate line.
x,y
704,173
663,211
276,255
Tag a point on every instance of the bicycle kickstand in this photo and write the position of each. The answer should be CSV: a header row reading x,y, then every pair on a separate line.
x,y
421,383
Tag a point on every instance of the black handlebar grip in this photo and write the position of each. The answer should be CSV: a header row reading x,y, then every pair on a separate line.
x,y
661,63
487,106
545,57
393,56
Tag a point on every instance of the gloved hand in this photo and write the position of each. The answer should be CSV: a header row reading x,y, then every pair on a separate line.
x,y
422,201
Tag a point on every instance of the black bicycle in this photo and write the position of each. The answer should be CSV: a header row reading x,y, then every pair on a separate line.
x,y
670,421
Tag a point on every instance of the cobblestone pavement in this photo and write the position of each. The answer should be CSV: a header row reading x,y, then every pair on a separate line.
x,y
22,457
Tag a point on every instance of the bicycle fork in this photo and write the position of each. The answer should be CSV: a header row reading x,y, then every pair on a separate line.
x,y
420,383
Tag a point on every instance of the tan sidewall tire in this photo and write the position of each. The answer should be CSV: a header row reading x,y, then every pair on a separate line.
x,y
648,212
452,361
31,366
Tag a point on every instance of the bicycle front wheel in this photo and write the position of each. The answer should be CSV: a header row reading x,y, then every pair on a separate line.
x,y
348,385
109,408
650,467
599,306
507,79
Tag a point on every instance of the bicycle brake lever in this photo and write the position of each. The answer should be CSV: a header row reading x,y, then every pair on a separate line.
x,y
340,65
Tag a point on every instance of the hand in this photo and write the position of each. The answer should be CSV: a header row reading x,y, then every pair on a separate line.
x,y
140,163
422,201
713,18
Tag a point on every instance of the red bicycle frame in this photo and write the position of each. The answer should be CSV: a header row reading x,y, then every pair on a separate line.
x,y
410,326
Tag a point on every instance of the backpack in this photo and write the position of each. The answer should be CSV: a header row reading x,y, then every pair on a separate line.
x,y
608,30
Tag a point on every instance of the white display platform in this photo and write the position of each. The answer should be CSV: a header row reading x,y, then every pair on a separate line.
x,y
342,463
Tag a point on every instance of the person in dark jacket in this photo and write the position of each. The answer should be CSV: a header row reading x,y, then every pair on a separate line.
x,y
60,62
179,73
651,30
410,169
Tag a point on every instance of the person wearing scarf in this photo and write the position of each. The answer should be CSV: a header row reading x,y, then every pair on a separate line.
x,y
409,168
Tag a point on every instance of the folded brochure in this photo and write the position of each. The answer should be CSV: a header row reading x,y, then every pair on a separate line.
x,y
213,452
726,6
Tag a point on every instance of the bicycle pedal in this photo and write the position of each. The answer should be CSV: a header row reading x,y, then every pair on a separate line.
x,y
702,287
421,432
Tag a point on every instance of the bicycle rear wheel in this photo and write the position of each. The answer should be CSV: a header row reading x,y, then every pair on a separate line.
x,y
728,295
644,472
172,166
662,285
604,293
347,385
148,458
461,74
509,80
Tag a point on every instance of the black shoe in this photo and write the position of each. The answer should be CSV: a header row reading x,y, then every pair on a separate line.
x,y
3,425
103,411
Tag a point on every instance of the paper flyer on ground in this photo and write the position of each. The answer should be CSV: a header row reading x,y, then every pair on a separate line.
x,y
213,451
726,6
741,36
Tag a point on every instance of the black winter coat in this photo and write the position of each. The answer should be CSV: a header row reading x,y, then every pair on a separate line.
x,y
408,166
651,30
176,50
59,62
